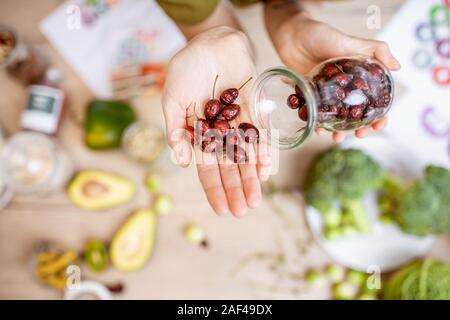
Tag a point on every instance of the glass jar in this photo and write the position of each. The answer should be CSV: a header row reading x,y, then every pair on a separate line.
x,y
338,94
32,162
19,59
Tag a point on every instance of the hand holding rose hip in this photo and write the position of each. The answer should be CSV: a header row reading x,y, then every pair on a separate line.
x,y
232,186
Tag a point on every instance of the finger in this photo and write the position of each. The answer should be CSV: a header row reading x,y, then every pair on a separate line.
x,y
320,131
380,124
231,180
175,117
362,132
263,158
374,48
209,175
338,136
250,181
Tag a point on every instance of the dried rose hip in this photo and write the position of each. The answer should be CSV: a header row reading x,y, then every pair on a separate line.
x,y
294,101
249,132
222,126
356,112
342,79
236,154
303,113
361,84
330,70
202,126
299,91
230,112
340,94
334,109
345,64
209,146
212,109
229,96
343,112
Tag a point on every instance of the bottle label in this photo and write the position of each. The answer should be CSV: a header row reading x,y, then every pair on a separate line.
x,y
43,109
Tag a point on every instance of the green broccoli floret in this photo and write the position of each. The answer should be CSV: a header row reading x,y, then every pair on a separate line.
x,y
421,280
422,207
338,180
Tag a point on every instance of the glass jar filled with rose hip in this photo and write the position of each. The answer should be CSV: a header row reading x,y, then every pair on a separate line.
x,y
338,94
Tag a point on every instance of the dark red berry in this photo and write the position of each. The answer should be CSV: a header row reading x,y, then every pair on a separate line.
x,y
230,112
342,79
299,91
330,70
343,112
190,135
249,132
212,109
340,93
236,154
376,71
229,96
361,84
232,138
209,145
202,126
222,126
346,64
303,113
356,112
334,109
294,101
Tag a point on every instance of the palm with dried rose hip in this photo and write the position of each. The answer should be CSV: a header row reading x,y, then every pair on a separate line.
x,y
215,128
350,93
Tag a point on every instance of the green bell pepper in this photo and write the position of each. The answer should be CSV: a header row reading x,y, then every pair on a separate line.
x,y
105,123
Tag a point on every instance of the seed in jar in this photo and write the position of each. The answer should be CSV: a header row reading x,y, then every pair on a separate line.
x,y
222,126
303,113
230,112
249,132
294,101
212,109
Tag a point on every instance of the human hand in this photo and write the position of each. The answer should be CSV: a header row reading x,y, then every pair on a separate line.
x,y
224,52
302,43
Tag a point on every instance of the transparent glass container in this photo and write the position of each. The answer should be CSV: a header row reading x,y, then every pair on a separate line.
x,y
339,94
33,163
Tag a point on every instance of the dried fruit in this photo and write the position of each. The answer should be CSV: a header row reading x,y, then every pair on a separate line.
x,y
356,112
202,127
230,112
293,101
212,109
249,132
330,70
303,113
299,91
229,96
222,126
209,145
360,84
342,79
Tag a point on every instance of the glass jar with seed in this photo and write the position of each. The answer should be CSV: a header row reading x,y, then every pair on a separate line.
x,y
145,143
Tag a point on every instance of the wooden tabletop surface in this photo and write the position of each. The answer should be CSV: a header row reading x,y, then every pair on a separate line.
x,y
259,256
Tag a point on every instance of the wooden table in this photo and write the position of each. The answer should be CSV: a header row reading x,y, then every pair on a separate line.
x,y
256,257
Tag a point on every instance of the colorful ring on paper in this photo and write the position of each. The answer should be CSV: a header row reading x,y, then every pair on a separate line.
x,y
434,14
437,71
422,59
430,128
443,47
420,30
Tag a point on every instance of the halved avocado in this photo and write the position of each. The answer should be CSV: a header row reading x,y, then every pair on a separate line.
x,y
132,245
98,190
